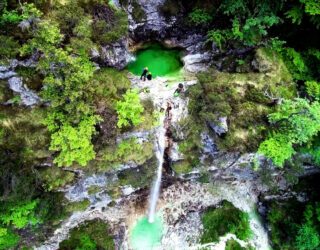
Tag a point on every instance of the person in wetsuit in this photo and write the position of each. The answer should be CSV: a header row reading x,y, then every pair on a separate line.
x,y
149,76
144,73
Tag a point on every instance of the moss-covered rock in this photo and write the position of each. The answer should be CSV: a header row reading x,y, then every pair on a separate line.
x,y
244,98
129,150
181,167
138,13
222,220
77,206
90,235
55,178
139,177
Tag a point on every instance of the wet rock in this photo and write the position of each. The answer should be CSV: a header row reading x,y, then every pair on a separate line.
x,y
196,62
28,97
115,55
6,74
219,128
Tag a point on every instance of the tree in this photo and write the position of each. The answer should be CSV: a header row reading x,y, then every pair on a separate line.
x,y
74,142
130,109
70,117
296,122
277,148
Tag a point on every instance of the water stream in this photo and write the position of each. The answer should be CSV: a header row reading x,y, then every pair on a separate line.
x,y
160,146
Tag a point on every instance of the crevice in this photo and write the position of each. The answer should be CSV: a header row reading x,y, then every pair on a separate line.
x,y
167,162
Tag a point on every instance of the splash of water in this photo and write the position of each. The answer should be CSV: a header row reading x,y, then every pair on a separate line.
x,y
160,146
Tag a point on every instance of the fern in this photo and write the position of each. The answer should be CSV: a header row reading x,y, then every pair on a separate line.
x,y
295,14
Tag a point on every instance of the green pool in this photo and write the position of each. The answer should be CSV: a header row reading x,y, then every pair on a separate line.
x,y
161,61
145,235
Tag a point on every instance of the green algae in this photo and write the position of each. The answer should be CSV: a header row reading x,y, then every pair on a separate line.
x,y
160,61
145,235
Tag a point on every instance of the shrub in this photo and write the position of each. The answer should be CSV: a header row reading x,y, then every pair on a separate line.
x,y
222,220
130,109
9,47
200,16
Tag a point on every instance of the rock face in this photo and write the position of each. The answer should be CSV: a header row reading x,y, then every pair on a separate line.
x,y
114,55
146,23
219,128
28,97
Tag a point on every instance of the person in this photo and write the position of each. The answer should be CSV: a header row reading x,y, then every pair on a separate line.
x,y
149,76
144,74
179,90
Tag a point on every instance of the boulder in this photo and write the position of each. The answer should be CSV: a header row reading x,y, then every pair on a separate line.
x,y
28,97
115,55
219,128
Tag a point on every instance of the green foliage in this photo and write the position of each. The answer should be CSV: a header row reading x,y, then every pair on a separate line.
x,y
312,7
129,150
307,238
24,12
9,47
110,84
219,37
20,215
54,178
295,63
200,16
74,143
222,220
129,110
295,14
234,245
90,235
253,29
282,219
296,122
108,32
7,239
278,148
70,120
313,89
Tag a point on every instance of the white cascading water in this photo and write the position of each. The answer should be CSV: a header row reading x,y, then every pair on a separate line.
x,y
160,146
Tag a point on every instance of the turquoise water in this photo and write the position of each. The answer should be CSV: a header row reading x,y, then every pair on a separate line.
x,y
145,235
159,60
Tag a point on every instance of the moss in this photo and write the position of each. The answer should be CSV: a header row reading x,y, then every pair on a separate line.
x,y
24,128
191,146
233,245
77,206
139,177
138,13
90,235
115,192
181,167
242,98
9,47
222,220
94,190
110,84
55,178
108,32
129,150
150,116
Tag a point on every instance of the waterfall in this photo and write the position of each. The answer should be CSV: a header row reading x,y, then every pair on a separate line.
x,y
160,146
